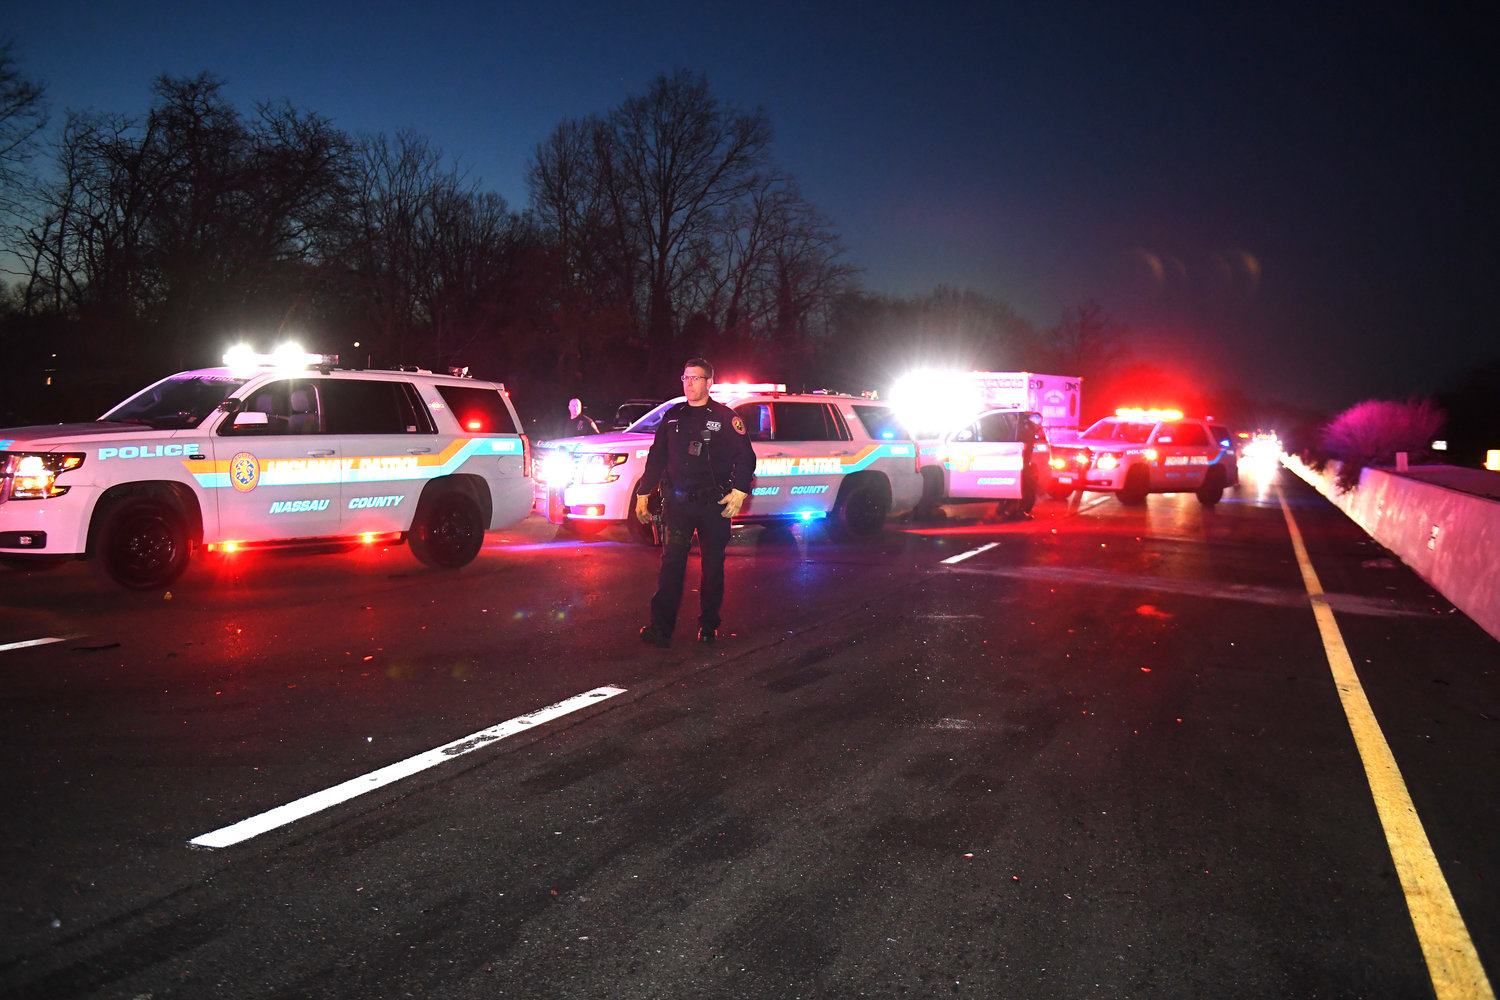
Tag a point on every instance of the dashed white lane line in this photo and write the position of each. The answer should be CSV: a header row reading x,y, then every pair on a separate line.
x,y
6,647
318,801
969,554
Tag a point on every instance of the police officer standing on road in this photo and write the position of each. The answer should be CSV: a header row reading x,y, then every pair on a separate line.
x,y
579,423
704,463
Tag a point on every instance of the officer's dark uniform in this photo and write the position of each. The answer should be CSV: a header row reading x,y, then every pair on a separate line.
x,y
700,453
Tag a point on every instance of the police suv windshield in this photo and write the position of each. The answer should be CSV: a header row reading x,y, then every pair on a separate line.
x,y
177,403
652,420
1128,431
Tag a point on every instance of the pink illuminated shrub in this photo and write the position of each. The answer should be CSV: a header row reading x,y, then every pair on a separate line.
x,y
1371,433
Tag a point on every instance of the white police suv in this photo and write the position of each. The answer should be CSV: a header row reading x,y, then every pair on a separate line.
x,y
268,450
1137,452
999,454
841,460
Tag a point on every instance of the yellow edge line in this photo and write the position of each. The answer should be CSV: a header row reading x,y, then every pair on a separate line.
x,y
1452,961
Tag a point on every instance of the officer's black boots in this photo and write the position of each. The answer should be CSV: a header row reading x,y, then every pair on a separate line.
x,y
654,636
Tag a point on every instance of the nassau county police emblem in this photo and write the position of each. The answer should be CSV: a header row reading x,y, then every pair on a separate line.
x,y
739,425
244,472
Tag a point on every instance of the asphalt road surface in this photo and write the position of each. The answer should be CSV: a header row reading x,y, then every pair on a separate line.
x,y
1102,753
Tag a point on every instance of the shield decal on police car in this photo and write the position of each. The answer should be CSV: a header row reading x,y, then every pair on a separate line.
x,y
244,472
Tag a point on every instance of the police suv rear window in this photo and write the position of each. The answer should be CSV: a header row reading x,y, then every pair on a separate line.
x,y
362,406
807,422
478,411
880,422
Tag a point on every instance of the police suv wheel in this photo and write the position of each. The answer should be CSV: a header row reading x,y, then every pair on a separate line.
x,y
861,510
448,530
142,544
1137,485
1212,490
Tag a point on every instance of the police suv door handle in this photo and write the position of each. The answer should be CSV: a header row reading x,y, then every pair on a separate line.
x,y
418,451
320,452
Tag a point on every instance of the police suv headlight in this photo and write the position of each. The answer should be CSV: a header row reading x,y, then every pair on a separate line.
x,y
556,468
594,470
1107,461
33,475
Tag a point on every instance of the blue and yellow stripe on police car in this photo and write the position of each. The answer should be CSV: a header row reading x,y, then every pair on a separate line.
x,y
832,465
358,468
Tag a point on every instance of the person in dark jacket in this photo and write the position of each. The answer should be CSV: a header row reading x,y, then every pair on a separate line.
x,y
704,464
579,423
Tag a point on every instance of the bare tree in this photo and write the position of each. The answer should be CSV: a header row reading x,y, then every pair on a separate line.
x,y
23,115
670,207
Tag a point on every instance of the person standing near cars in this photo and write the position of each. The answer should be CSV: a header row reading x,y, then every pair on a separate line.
x,y
579,423
704,464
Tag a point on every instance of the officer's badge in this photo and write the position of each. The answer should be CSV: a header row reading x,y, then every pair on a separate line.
x,y
244,472
739,425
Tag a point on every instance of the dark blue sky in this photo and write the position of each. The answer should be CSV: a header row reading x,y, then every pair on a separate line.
x,y
1301,203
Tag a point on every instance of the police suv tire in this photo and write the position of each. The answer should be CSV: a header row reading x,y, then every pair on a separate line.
x,y
448,529
861,509
1212,490
1137,485
142,543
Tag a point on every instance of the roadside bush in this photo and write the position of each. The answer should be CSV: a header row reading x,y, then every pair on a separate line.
x,y
1372,432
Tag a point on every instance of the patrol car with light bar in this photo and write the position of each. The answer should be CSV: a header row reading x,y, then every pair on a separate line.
x,y
267,450
844,461
1138,452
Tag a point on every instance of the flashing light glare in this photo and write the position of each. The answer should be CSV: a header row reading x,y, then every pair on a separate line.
x,y
367,537
1107,461
290,356
733,388
933,401
1135,413
475,425
1150,454
807,515
1440,445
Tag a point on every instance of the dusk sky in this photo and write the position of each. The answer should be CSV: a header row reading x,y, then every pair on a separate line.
x,y
1297,200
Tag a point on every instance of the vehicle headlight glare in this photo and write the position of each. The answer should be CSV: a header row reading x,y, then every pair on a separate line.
x,y
1107,461
557,469
34,475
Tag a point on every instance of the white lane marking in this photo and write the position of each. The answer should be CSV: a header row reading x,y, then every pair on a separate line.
x,y
965,555
318,801
27,643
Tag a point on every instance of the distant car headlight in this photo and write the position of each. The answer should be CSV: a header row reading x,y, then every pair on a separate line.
x,y
33,475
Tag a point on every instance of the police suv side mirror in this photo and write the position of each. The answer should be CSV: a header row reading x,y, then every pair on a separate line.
x,y
250,417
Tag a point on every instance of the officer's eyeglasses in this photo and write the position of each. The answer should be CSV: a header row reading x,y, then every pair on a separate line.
x,y
694,378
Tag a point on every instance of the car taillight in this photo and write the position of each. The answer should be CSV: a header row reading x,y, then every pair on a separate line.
x,y
526,469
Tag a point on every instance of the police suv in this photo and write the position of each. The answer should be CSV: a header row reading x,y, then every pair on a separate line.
x,y
999,455
1137,452
843,460
267,451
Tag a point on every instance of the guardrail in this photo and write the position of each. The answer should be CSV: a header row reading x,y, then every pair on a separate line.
x,y
1450,537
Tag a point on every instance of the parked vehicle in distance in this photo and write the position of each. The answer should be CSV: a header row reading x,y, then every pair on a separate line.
x,y
1138,452
821,457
